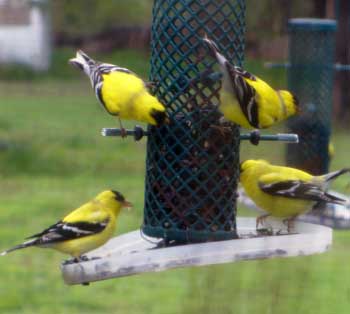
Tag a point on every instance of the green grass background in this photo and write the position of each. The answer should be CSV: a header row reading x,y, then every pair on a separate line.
x,y
52,159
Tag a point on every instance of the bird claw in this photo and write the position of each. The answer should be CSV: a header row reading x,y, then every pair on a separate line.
x,y
265,231
123,133
83,258
70,261
152,84
260,220
289,222
79,259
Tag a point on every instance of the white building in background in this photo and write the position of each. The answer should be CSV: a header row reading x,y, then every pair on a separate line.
x,y
25,33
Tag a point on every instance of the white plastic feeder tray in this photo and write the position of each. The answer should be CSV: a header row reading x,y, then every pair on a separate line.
x,y
130,254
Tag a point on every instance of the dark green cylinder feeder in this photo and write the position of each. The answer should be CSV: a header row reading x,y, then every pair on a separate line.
x,y
310,77
192,168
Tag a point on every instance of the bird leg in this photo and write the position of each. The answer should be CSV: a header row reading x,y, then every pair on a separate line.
x,y
123,133
289,222
260,220
152,84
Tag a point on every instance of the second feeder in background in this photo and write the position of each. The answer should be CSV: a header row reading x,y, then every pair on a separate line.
x,y
310,78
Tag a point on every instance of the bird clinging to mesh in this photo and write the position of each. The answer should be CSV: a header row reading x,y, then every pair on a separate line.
x,y
247,100
286,192
121,92
84,229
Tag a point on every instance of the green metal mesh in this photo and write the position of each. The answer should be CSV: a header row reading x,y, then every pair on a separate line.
x,y
192,169
310,77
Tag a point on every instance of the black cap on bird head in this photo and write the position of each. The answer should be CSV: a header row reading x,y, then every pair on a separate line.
x,y
120,198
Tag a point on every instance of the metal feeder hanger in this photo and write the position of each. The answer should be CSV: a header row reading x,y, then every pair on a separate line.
x,y
192,169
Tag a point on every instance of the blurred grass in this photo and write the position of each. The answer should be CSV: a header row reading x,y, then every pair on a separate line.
x,y
132,59
56,159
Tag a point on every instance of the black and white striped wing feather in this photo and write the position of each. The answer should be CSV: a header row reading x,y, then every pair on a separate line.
x,y
297,189
244,92
63,231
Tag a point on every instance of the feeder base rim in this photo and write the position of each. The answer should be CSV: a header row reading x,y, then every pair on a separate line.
x,y
131,254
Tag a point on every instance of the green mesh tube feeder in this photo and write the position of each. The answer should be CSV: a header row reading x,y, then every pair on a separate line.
x,y
310,77
192,170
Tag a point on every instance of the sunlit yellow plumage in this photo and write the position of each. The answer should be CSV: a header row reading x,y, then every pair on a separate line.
x,y
247,100
84,229
130,100
283,191
121,92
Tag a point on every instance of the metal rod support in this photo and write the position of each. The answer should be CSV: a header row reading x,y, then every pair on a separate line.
x,y
255,137
336,66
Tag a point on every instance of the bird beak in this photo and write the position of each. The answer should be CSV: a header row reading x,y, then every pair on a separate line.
x,y
127,204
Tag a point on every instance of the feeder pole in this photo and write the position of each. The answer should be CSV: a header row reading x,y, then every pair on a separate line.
x,y
192,169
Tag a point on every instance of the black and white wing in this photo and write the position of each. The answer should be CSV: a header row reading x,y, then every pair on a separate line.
x,y
298,189
244,92
63,231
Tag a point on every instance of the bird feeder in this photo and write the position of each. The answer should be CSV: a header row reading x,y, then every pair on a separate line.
x,y
192,165
310,77
192,169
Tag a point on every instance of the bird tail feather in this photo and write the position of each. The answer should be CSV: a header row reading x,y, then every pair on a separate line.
x,y
335,199
20,246
291,103
82,61
214,50
333,175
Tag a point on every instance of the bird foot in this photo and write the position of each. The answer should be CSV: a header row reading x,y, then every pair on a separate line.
x,y
70,261
80,259
264,231
261,220
152,84
123,133
83,258
290,223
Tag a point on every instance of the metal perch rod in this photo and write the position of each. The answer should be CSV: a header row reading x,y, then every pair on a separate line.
x,y
254,136
336,66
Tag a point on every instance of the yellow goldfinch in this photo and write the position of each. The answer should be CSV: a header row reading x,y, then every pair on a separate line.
x,y
84,229
247,100
285,192
121,92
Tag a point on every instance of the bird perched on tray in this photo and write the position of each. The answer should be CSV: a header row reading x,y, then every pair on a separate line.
x,y
286,192
246,99
121,92
86,228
